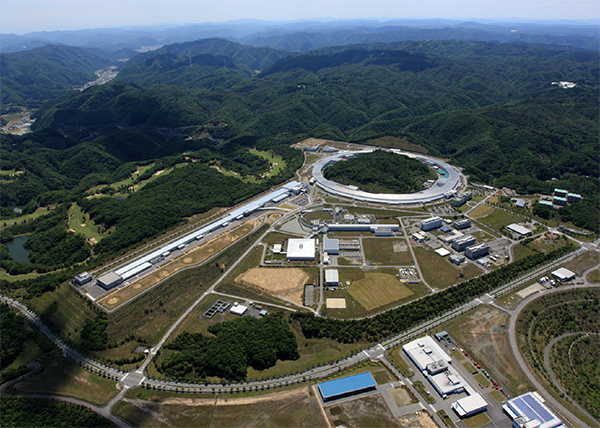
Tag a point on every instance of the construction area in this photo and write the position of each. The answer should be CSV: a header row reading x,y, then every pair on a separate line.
x,y
287,284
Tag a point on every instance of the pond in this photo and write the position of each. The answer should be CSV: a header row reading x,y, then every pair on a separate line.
x,y
17,251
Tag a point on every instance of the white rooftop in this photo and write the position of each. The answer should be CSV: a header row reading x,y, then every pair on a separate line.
x,y
442,252
518,229
563,273
239,309
470,404
447,382
277,248
425,350
301,249
332,276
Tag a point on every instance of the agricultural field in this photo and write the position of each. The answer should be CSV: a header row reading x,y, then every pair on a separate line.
x,y
439,272
377,290
482,333
194,257
62,377
297,407
388,252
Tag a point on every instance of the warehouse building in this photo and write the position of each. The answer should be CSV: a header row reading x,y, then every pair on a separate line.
x,y
301,249
462,224
518,229
470,405
331,246
332,277
477,251
82,278
424,352
383,232
563,275
238,309
442,252
109,280
431,223
347,386
461,243
529,410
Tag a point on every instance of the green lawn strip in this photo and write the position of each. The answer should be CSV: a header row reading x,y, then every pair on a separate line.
x,y
458,356
396,359
482,380
439,272
60,376
497,396
477,420
423,392
6,277
469,367
446,419
80,223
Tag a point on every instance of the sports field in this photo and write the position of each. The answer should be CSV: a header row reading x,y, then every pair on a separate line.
x,y
287,284
378,289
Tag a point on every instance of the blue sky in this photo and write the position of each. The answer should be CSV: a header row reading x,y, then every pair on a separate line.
x,y
22,16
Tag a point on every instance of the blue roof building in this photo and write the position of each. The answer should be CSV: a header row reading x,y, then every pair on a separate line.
x,y
346,386
529,410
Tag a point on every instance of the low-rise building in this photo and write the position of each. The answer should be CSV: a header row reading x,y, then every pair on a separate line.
x,y
457,259
563,275
82,278
477,251
462,224
560,193
462,199
301,249
557,200
331,246
470,405
573,198
109,280
518,229
530,410
332,277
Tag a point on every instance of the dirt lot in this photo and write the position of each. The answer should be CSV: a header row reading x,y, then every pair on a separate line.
x,y
285,284
292,408
583,263
193,257
377,290
482,333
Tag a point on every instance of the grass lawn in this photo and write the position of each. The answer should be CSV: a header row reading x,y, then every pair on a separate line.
x,y
520,251
469,367
82,224
277,162
480,211
446,419
439,272
482,380
497,396
387,251
10,278
62,377
582,263
421,389
477,420
594,276
396,359
377,290
483,237
499,218
458,356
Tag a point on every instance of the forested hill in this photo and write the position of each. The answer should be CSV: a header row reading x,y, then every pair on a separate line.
x,y
28,78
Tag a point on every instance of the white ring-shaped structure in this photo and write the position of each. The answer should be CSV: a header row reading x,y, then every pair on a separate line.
x,y
441,189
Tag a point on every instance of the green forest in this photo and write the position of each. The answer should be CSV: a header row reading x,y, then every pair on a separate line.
x,y
381,172
234,346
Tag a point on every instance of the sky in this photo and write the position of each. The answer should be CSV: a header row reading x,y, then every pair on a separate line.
x,y
23,16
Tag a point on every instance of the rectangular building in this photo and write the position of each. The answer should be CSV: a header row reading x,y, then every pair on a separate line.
x,y
529,410
573,198
332,277
346,386
520,230
557,200
560,193
331,246
82,278
424,351
547,204
109,280
457,259
383,232
461,243
301,249
563,275
477,251
442,252
470,405
431,223
462,199
462,224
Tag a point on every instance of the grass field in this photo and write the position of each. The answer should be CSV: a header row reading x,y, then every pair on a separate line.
x,y
483,237
520,251
62,377
469,367
294,407
397,143
594,276
277,238
474,331
387,251
481,211
477,420
377,290
447,420
15,220
499,218
277,162
582,263
457,355
81,223
439,272
497,396
396,359
65,311
193,257
482,380
422,390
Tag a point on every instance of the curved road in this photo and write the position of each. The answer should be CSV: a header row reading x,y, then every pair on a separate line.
x,y
516,352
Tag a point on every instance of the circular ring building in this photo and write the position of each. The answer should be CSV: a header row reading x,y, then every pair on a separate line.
x,y
445,186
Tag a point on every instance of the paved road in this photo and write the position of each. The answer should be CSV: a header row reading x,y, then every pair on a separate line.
x,y
516,352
